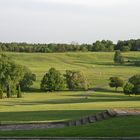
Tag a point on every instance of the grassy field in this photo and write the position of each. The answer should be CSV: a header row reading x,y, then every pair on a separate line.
x,y
60,106
97,67
117,127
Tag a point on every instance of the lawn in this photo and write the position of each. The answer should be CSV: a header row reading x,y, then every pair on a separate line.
x,y
97,66
60,106
116,127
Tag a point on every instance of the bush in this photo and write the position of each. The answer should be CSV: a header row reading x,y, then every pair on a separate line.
x,y
52,81
116,82
128,88
27,81
134,82
136,89
76,80
118,58
1,94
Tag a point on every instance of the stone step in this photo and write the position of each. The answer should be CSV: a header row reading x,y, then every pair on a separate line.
x,y
85,120
112,113
92,119
78,122
71,123
105,115
99,117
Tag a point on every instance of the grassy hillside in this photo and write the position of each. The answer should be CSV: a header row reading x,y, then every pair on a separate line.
x,y
60,106
117,127
98,67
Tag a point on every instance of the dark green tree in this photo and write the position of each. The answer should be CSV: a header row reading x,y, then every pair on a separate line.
x,y
52,81
116,82
135,80
118,58
76,80
28,79
128,89
10,74
1,93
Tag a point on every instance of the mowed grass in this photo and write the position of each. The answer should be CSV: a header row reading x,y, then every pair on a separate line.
x,y
116,127
61,106
97,67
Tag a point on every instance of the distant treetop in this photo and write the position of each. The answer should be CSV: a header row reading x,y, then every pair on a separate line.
x,y
98,46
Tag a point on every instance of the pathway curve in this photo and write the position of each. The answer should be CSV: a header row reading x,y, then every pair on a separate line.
x,y
85,120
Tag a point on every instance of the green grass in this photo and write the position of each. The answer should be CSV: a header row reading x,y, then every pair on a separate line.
x,y
97,67
60,106
116,127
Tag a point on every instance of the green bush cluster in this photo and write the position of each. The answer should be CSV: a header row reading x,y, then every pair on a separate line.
x,y
53,80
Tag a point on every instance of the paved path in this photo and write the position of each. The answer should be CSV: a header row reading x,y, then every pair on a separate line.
x,y
85,120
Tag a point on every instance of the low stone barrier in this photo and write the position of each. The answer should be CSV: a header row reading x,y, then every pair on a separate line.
x,y
86,120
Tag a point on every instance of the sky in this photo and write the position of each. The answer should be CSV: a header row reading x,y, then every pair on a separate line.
x,y
65,21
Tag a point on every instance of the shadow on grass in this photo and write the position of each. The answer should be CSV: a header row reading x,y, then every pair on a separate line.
x,y
108,91
75,99
108,64
51,115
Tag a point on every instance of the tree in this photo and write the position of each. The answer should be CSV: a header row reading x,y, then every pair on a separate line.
x,y
10,74
118,58
27,80
135,80
116,82
52,81
128,89
76,80
1,93
19,94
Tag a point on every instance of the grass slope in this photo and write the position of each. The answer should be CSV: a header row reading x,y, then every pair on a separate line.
x,y
117,127
59,106
62,105
98,67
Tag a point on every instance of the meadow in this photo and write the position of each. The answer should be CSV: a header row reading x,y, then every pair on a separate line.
x,y
97,66
37,106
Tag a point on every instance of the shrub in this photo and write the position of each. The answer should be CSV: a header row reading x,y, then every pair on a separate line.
x,y
128,88
76,80
116,82
52,81
118,58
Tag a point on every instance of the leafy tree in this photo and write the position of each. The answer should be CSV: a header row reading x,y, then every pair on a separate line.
x,y
52,81
19,94
27,80
116,82
135,80
118,58
10,74
76,80
104,45
128,88
1,93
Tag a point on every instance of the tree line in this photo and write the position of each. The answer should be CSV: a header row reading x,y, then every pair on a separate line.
x,y
15,78
98,46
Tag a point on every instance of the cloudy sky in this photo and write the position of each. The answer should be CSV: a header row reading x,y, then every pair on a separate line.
x,y
64,21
